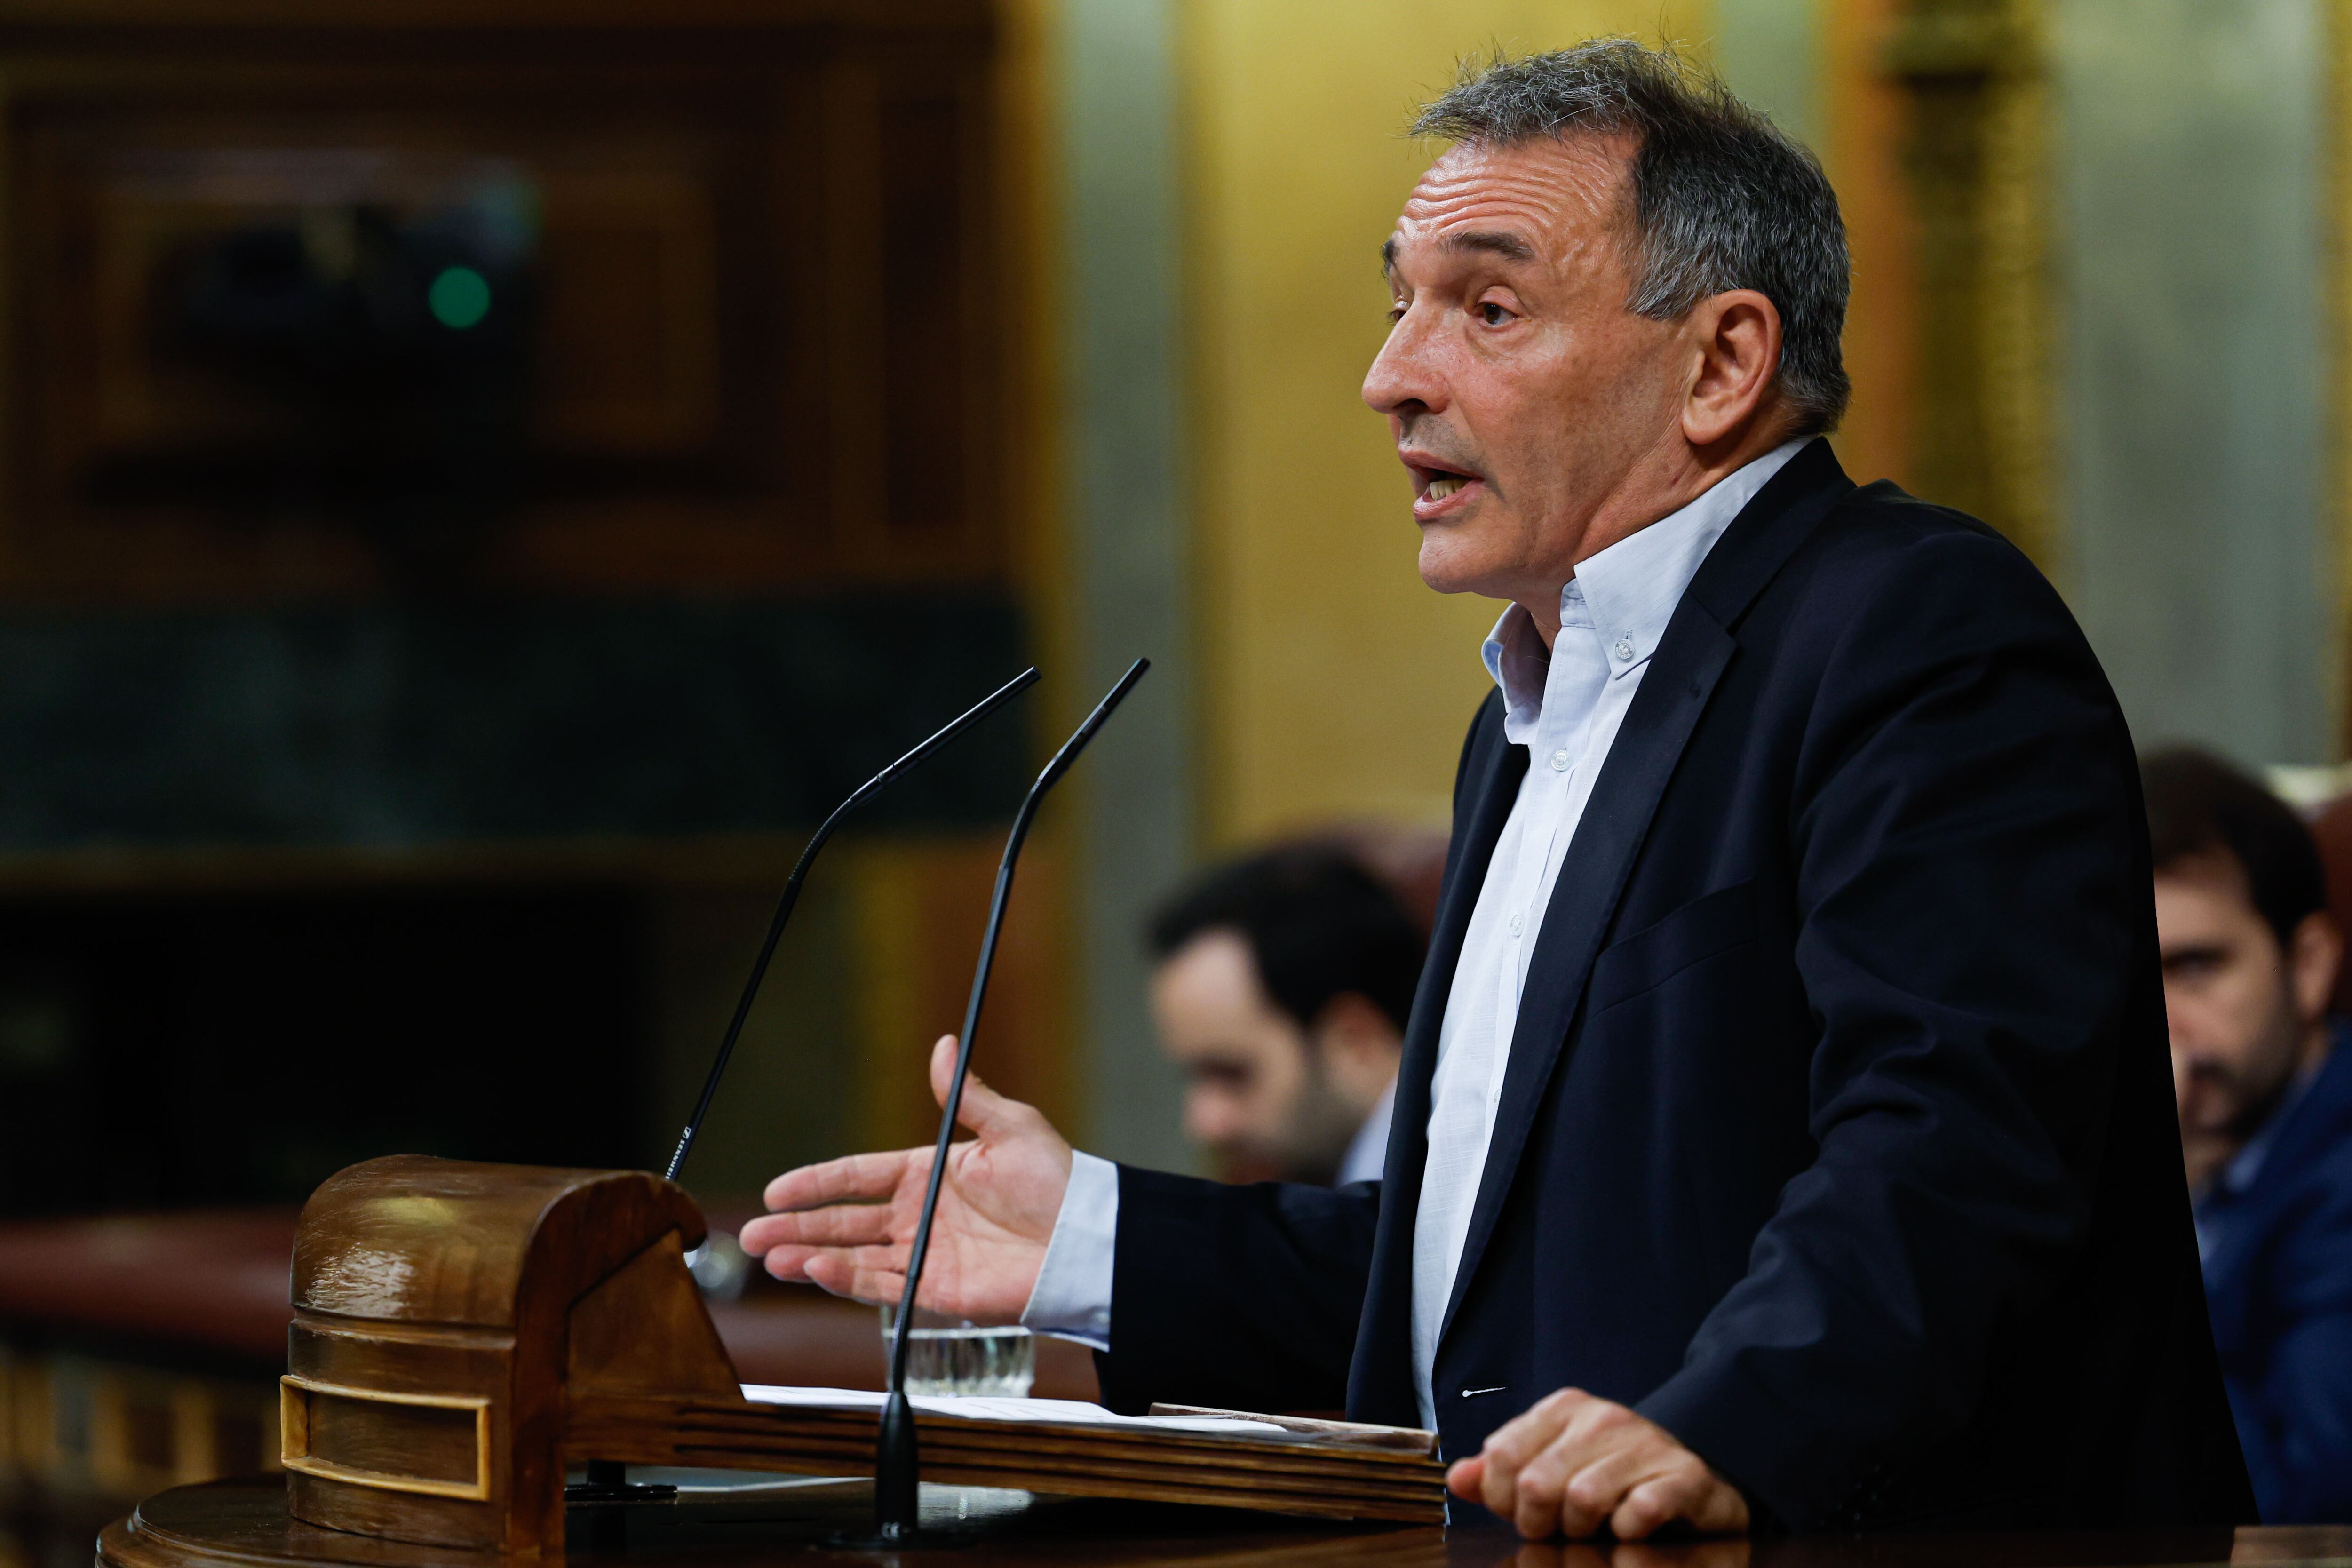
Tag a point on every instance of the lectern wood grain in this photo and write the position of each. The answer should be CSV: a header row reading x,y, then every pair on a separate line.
x,y
1077,1460
424,1284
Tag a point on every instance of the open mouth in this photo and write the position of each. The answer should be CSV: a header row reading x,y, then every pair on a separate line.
x,y
1441,487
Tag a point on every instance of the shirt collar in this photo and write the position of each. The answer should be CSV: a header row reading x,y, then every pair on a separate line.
x,y
1627,592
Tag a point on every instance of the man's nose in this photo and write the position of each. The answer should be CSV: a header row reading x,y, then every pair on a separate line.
x,y
1404,379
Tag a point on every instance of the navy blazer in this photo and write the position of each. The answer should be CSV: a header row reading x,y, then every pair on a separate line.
x,y
1837,1134
2280,1283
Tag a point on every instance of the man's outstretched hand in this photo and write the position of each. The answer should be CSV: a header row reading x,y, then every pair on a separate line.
x,y
848,1225
1575,1463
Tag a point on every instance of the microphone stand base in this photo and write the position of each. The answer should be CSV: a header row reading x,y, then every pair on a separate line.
x,y
608,1482
910,1540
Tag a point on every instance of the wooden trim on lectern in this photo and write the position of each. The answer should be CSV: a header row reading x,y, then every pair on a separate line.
x,y
294,1439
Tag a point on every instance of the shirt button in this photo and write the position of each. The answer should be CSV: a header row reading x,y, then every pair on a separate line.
x,y
1518,923
1624,647
1559,761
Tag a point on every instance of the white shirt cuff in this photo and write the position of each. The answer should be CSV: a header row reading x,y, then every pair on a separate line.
x,y
1071,1300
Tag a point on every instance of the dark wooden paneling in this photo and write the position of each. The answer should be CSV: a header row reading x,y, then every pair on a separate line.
x,y
388,726
760,356
196,1038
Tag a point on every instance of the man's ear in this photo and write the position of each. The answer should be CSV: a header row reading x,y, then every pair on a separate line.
x,y
2314,955
1738,339
1359,1046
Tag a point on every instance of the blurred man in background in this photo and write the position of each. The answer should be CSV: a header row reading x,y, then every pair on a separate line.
x,y
1281,985
2251,954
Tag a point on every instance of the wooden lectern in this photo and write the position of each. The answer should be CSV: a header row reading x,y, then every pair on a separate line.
x,y
464,1332
461,1331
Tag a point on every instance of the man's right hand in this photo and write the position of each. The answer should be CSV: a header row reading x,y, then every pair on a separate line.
x,y
848,1225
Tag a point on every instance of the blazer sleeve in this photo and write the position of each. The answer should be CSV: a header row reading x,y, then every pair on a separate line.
x,y
1244,1297
1972,902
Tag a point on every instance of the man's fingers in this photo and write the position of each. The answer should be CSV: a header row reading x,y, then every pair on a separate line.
x,y
788,1263
851,1177
1603,1470
1498,1485
1573,1491
1506,1447
839,1274
1655,1503
1721,1508
1573,1463
1518,1442
1689,1491
1527,1434
944,1056
846,1224
1538,1507
983,1112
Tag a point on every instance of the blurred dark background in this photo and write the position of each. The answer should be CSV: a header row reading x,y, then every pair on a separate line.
x,y
471,494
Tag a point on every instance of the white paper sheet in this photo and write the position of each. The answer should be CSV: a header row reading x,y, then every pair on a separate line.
x,y
976,1408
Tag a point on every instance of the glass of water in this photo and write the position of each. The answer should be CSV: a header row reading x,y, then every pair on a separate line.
x,y
954,1356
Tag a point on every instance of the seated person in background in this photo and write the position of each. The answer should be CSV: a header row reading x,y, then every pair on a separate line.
x,y
2250,956
1281,985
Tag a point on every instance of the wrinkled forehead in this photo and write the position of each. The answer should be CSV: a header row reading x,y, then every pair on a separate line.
x,y
1561,196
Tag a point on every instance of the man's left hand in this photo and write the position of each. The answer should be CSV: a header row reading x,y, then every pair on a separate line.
x,y
1575,1463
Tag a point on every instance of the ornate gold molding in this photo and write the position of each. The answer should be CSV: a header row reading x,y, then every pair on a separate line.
x,y
1978,161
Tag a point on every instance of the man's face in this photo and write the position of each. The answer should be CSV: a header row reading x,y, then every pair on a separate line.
x,y
1520,390
2230,998
1255,1094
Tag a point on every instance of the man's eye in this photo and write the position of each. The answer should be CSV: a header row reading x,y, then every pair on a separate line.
x,y
1491,313
1396,312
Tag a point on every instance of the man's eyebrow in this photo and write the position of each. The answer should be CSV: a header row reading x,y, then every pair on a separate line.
x,y
1493,241
1498,242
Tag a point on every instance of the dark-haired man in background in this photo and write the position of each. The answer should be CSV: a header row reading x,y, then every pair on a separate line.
x,y
2264,1091
1280,985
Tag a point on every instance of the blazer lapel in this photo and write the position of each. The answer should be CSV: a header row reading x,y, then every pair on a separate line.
x,y
1683,673
1381,1383
1493,792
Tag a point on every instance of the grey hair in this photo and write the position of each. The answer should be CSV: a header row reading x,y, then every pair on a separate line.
x,y
1722,198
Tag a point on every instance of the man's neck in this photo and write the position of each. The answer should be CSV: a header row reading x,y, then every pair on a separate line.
x,y
1653,491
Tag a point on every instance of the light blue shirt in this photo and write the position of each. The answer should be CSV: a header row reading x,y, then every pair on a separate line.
x,y
1565,704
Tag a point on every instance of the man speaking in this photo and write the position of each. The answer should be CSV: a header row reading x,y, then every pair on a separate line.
x,y
1785,1128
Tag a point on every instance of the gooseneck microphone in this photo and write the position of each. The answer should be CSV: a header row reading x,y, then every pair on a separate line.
x,y
973,715
895,1494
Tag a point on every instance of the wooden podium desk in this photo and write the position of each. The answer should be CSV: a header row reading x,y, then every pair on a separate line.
x,y
243,1524
463,1336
